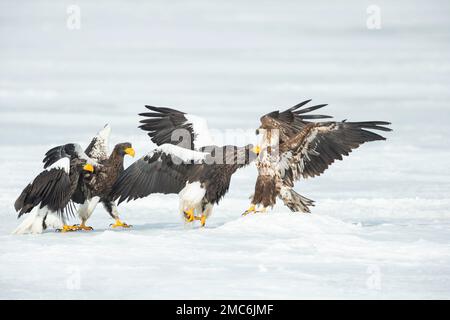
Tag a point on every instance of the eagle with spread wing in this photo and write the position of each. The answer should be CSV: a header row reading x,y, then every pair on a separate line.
x,y
95,187
48,199
293,148
186,162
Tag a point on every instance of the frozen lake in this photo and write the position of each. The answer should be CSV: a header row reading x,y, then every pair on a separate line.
x,y
381,226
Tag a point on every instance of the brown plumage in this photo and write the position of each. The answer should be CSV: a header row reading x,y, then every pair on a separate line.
x,y
96,186
100,182
293,148
193,167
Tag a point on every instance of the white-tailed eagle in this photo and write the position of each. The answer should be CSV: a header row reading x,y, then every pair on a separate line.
x,y
293,148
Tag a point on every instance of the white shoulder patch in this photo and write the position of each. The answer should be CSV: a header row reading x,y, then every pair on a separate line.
x,y
63,163
182,153
202,136
82,155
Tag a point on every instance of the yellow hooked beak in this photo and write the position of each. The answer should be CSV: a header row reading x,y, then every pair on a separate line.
x,y
256,149
130,151
88,167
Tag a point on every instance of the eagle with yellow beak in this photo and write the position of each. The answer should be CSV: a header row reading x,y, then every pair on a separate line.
x,y
186,162
293,148
48,199
95,185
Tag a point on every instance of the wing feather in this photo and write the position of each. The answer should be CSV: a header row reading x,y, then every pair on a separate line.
x,y
50,188
98,149
71,151
170,126
164,170
313,150
291,121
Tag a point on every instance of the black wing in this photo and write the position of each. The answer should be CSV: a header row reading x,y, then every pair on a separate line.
x,y
79,196
70,151
157,172
292,120
50,188
161,124
314,149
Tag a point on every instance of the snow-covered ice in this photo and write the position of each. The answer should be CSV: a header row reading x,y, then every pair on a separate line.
x,y
381,226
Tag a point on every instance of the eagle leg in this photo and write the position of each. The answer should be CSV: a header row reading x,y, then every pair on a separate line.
x,y
252,209
67,228
83,226
119,223
189,215
202,219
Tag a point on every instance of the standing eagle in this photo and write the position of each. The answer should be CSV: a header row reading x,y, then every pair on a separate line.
x,y
95,187
293,148
51,194
186,162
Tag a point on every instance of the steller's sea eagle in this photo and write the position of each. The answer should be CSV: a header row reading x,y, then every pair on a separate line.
x,y
293,148
186,162
95,187
50,194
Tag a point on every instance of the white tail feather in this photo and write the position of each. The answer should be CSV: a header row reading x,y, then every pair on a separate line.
x,y
33,223
53,221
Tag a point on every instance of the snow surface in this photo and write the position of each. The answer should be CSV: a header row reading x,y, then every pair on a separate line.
x,y
381,225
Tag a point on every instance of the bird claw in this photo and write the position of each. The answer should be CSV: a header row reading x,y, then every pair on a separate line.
x,y
83,227
119,223
189,215
202,219
67,228
252,209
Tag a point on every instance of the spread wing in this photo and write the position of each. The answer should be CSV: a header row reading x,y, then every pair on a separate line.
x,y
75,154
51,188
318,145
165,125
164,170
98,149
292,120
71,151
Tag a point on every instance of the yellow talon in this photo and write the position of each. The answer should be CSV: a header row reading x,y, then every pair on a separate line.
x,y
82,226
119,223
203,220
189,215
250,210
67,228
